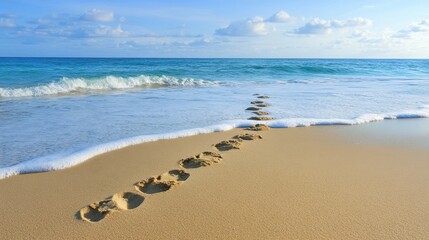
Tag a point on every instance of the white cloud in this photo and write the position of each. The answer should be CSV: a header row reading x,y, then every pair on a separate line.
x,y
95,15
7,22
420,27
372,40
250,27
320,26
353,22
360,33
256,26
381,40
315,26
107,31
66,26
201,42
168,43
279,17
193,43
129,44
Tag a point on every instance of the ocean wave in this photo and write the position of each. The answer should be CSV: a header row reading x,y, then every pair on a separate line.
x,y
67,86
69,159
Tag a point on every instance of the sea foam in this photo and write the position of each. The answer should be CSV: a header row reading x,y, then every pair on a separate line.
x,y
72,158
82,85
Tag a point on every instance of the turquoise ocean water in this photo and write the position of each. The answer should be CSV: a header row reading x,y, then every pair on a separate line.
x,y
57,112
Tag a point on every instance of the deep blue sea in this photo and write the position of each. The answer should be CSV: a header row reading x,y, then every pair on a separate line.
x,y
57,112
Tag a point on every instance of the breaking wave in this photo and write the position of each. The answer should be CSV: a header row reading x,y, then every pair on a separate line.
x,y
67,86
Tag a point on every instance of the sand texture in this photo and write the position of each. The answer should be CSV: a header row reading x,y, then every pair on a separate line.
x,y
298,183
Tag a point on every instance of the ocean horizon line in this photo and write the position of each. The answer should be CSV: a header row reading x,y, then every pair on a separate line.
x,y
217,58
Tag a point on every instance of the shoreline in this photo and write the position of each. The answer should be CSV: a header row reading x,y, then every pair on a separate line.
x,y
322,182
64,160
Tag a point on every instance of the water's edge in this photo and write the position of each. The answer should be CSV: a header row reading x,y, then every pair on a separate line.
x,y
72,158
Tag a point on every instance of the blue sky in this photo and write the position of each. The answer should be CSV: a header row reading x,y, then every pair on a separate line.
x,y
221,28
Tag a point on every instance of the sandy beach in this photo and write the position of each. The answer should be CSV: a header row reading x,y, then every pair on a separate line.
x,y
214,120
326,182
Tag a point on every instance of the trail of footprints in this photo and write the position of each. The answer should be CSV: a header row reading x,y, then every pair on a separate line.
x,y
124,201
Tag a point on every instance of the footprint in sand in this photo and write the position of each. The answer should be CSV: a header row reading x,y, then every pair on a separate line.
x,y
228,145
263,97
263,105
260,118
201,160
127,200
256,102
258,127
247,136
261,113
162,182
97,211
253,108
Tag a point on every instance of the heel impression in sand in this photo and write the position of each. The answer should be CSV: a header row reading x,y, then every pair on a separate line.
x,y
97,211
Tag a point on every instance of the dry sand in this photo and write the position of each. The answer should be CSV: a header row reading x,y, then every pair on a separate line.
x,y
301,183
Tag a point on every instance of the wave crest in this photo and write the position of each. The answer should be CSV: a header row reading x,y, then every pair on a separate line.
x,y
84,85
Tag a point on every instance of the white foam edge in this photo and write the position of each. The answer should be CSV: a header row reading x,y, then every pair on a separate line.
x,y
68,159
66,85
